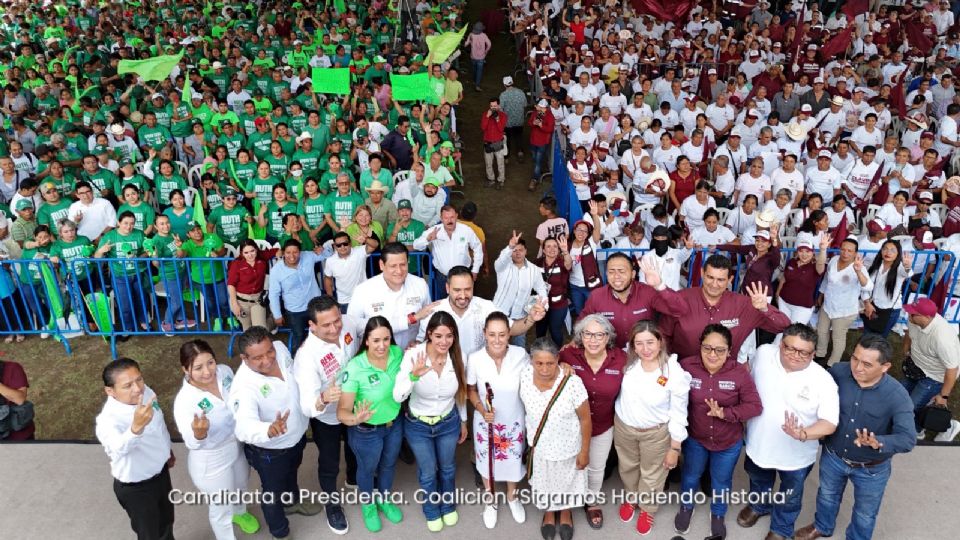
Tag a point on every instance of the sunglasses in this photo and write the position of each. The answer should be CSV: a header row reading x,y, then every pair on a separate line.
x,y
342,244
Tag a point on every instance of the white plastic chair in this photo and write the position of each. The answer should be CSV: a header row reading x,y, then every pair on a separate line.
x,y
232,251
941,209
400,176
194,174
939,242
182,168
190,193
263,245
871,212
794,221
724,212
788,242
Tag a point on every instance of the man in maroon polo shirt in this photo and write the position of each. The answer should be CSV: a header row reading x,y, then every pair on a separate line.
x,y
624,300
713,303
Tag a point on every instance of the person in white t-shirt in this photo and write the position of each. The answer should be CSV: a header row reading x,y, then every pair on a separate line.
x,y
693,207
948,139
788,177
347,268
823,179
801,405
866,135
753,182
711,233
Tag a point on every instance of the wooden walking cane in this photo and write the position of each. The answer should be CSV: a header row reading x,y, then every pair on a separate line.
x,y
490,448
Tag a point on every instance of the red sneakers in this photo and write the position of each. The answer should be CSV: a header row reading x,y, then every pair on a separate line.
x,y
644,523
627,511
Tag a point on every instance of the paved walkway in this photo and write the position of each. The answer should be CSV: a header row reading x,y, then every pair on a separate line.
x,y
64,491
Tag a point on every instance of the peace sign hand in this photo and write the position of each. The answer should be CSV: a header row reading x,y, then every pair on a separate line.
x,y
420,367
200,425
858,263
515,238
279,426
716,410
758,295
867,438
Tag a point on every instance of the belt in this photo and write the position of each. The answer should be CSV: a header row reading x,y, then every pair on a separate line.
x,y
856,464
250,298
430,420
366,425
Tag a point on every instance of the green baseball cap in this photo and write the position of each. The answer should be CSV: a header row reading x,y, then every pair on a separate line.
x,y
404,204
100,149
433,181
24,204
361,133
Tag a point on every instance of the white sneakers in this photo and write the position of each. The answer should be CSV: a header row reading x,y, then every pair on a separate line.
x,y
516,508
490,516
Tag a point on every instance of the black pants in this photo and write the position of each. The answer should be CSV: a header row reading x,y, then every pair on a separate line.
x,y
297,322
514,139
328,439
148,505
278,476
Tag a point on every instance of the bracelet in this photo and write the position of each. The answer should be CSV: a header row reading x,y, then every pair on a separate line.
x,y
803,435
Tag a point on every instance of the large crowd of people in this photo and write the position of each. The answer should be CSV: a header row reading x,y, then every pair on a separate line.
x,y
735,186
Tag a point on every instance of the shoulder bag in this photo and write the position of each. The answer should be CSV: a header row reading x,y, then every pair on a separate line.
x,y
528,457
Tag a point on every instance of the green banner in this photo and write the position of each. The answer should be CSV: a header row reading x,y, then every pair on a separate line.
x,y
331,80
411,87
152,69
441,46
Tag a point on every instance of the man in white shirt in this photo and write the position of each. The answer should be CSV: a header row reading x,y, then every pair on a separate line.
x,y
401,298
947,137
788,177
666,259
347,268
270,423
859,178
470,312
720,115
518,281
451,243
133,434
767,150
93,216
332,341
585,92
823,179
801,405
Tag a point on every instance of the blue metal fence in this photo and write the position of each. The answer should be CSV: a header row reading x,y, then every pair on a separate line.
x,y
116,298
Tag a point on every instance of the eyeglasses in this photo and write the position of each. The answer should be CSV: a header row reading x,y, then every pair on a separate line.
x,y
594,335
85,192
342,244
797,352
711,351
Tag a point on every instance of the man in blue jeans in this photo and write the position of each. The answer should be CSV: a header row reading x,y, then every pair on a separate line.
x,y
932,353
800,406
875,424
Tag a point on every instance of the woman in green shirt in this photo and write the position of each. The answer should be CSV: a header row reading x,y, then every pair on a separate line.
x,y
374,430
209,277
167,182
292,228
181,215
271,215
312,210
31,279
141,210
172,273
241,170
260,187
70,246
364,227
125,243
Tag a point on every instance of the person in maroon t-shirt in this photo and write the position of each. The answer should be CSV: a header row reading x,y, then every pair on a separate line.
x,y
13,389
624,300
713,303
599,364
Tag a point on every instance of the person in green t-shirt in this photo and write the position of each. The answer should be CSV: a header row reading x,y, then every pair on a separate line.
x,y
208,276
405,230
248,118
241,170
31,287
229,221
181,215
308,156
260,187
168,181
172,274
371,413
210,192
278,161
68,247
342,203
271,214
260,139
312,209
143,212
292,228
152,135
125,243
54,207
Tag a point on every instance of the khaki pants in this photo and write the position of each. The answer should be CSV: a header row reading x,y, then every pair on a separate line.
x,y
599,452
641,455
251,312
488,159
836,331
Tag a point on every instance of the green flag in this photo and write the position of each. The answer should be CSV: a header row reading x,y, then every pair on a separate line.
x,y
331,80
187,93
341,6
410,87
152,69
442,45
198,216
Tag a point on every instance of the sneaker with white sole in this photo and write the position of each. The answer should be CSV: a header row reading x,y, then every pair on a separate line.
x,y
490,516
517,510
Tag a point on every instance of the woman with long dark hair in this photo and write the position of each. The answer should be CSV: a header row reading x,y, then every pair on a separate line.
x,y
206,422
375,433
432,375
881,305
814,228
246,277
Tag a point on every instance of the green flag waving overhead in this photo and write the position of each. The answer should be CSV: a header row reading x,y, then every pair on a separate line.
x,y
151,69
442,45
331,80
411,87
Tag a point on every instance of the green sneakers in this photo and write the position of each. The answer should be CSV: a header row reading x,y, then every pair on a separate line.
x,y
451,519
247,522
391,511
371,518
435,525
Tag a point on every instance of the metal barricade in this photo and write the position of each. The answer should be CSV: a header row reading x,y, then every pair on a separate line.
x,y
32,301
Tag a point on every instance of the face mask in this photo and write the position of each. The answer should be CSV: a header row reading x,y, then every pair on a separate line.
x,y
296,174
659,246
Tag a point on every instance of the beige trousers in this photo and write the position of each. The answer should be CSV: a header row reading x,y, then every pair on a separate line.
x,y
836,331
641,455
488,161
251,312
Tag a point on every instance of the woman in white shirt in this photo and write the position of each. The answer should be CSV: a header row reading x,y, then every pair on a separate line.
x,y
895,213
881,306
743,217
498,364
711,233
215,461
693,207
580,168
650,422
841,288
433,377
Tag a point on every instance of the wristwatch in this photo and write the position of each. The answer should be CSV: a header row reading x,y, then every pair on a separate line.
x,y
945,397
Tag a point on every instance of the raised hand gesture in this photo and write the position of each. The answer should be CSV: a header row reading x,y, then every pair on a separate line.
x,y
200,425
858,263
363,412
791,426
420,367
279,426
650,273
594,208
433,234
716,410
142,415
758,295
514,238
867,438
825,242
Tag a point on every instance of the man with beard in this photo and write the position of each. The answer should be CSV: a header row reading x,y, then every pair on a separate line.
x,y
624,301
